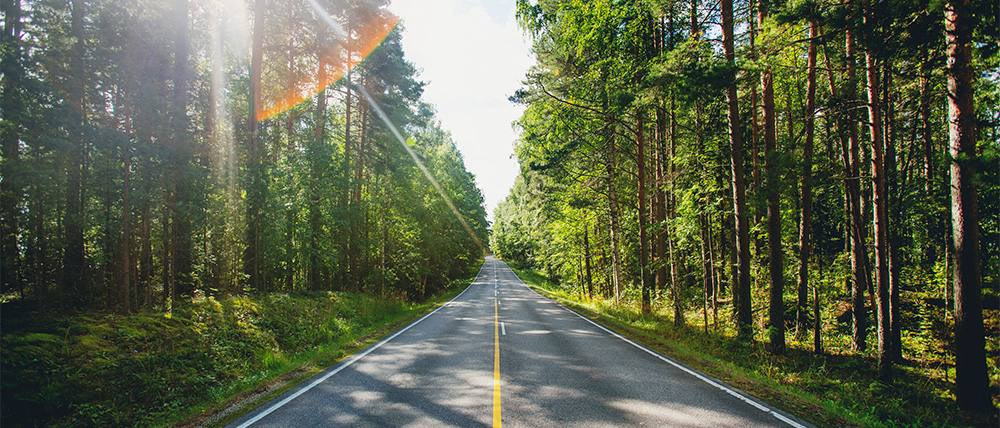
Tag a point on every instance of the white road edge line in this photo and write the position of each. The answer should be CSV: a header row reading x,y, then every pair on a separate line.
x,y
353,360
724,388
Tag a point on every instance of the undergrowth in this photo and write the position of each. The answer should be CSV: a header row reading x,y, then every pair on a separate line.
x,y
153,369
834,389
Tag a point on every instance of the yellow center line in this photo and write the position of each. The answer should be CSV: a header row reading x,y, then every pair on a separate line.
x,y
496,367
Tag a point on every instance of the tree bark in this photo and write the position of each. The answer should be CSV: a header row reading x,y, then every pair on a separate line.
x,y
646,280
125,290
675,285
74,270
805,219
895,346
817,324
181,240
616,263
37,251
586,258
708,275
776,313
926,127
880,218
757,185
357,223
741,290
315,214
145,236
859,259
252,253
659,208
11,187
971,379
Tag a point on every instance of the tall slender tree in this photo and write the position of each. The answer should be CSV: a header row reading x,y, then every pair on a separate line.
x,y
741,285
805,190
12,106
75,275
181,242
971,380
775,262
252,254
880,219
644,269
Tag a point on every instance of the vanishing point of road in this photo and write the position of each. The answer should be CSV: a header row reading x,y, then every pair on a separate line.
x,y
501,354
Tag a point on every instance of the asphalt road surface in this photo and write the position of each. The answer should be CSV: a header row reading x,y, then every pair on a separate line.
x,y
501,354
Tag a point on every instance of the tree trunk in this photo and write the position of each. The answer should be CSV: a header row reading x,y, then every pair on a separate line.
x,y
971,380
646,280
145,238
316,278
754,127
37,252
693,16
586,258
776,313
817,324
880,218
927,129
805,219
895,346
180,204
675,285
11,187
660,202
167,278
708,276
315,213
252,253
928,170
74,275
859,260
357,222
602,258
716,277
616,263
741,290
126,245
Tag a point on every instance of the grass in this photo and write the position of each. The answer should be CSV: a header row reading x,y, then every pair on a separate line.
x,y
154,369
835,389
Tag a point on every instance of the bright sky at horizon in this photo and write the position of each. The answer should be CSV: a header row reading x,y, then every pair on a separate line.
x,y
472,56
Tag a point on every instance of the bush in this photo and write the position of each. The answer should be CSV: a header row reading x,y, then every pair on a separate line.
x,y
140,370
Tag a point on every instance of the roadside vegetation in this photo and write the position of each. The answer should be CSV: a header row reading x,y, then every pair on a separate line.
x,y
191,208
834,389
780,177
152,369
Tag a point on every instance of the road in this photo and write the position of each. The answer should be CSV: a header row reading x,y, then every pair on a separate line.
x,y
501,354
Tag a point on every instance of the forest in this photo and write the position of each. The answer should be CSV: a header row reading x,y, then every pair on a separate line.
x,y
198,196
158,149
805,175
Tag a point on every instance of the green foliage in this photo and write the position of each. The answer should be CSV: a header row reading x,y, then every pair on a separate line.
x,y
176,193
828,390
140,370
609,73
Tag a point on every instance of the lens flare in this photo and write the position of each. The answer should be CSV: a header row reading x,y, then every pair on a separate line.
x,y
333,65
370,36
430,177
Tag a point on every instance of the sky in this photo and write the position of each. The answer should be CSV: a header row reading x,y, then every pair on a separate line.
x,y
472,56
